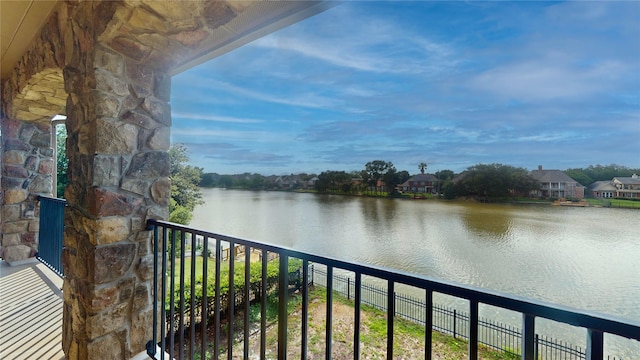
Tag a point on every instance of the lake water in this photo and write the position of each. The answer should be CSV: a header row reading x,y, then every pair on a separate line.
x,y
587,258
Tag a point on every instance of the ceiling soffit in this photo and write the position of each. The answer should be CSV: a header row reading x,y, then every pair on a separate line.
x,y
175,36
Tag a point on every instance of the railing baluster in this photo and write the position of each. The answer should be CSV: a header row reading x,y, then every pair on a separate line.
x,y
217,302
391,313
263,307
473,330
305,310
192,344
172,289
204,313
356,320
428,324
163,294
181,322
595,344
329,318
528,337
247,280
283,289
151,347
231,300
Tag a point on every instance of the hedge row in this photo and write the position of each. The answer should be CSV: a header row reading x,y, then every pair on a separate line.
x,y
255,284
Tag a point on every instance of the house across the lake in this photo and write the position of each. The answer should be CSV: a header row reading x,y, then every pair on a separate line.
x,y
556,184
618,187
421,183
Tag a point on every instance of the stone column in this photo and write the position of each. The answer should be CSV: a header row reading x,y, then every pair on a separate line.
x,y
27,167
118,136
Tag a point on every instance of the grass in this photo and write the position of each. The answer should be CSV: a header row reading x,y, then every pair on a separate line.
x,y
408,336
211,267
618,203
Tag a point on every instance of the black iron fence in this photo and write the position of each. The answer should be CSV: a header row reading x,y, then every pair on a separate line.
x,y
178,293
51,233
451,321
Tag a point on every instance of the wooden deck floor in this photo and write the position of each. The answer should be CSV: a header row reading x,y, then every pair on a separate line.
x,y
30,312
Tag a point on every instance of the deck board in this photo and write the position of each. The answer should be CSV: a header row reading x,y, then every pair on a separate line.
x,y
31,313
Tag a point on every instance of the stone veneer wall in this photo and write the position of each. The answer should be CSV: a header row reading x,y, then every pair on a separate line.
x,y
118,120
27,166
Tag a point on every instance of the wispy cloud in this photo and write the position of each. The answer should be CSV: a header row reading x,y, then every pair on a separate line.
x,y
216,118
183,134
449,83
372,46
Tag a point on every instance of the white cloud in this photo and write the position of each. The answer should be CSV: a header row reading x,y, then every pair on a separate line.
x,y
217,118
376,44
206,134
310,100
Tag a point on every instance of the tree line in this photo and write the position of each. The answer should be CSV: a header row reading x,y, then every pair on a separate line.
x,y
378,178
381,178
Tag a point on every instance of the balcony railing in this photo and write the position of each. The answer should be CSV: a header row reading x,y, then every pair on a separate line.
x,y
188,300
51,232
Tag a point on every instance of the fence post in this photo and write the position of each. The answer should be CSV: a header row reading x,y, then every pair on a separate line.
x,y
535,348
348,288
312,275
454,323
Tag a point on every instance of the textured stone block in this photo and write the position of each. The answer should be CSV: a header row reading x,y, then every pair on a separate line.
x,y
16,253
107,321
107,230
11,212
15,227
140,331
14,196
149,164
10,239
103,202
14,144
159,139
108,347
110,84
41,184
115,137
13,157
161,191
45,167
145,267
15,172
111,262
106,171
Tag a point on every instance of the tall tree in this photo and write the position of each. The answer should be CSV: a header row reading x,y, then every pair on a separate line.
x,y
376,170
445,174
333,181
422,166
496,180
185,193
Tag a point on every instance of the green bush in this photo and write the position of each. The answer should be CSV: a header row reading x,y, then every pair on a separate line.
x,y
255,285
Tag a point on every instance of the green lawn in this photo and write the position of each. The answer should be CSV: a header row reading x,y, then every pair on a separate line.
x,y
619,203
211,267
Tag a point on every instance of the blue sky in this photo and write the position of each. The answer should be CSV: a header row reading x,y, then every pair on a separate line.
x,y
452,84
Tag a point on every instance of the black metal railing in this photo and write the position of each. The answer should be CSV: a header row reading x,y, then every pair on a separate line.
x,y
182,286
51,233
447,320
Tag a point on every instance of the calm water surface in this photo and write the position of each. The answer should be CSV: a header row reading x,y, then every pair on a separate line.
x,y
587,258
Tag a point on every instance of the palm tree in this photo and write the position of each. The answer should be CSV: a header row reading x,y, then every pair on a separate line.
x,y
422,166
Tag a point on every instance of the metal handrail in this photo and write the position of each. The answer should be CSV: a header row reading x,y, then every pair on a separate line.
x,y
596,324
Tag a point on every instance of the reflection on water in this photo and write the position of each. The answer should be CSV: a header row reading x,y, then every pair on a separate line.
x,y
488,223
580,257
